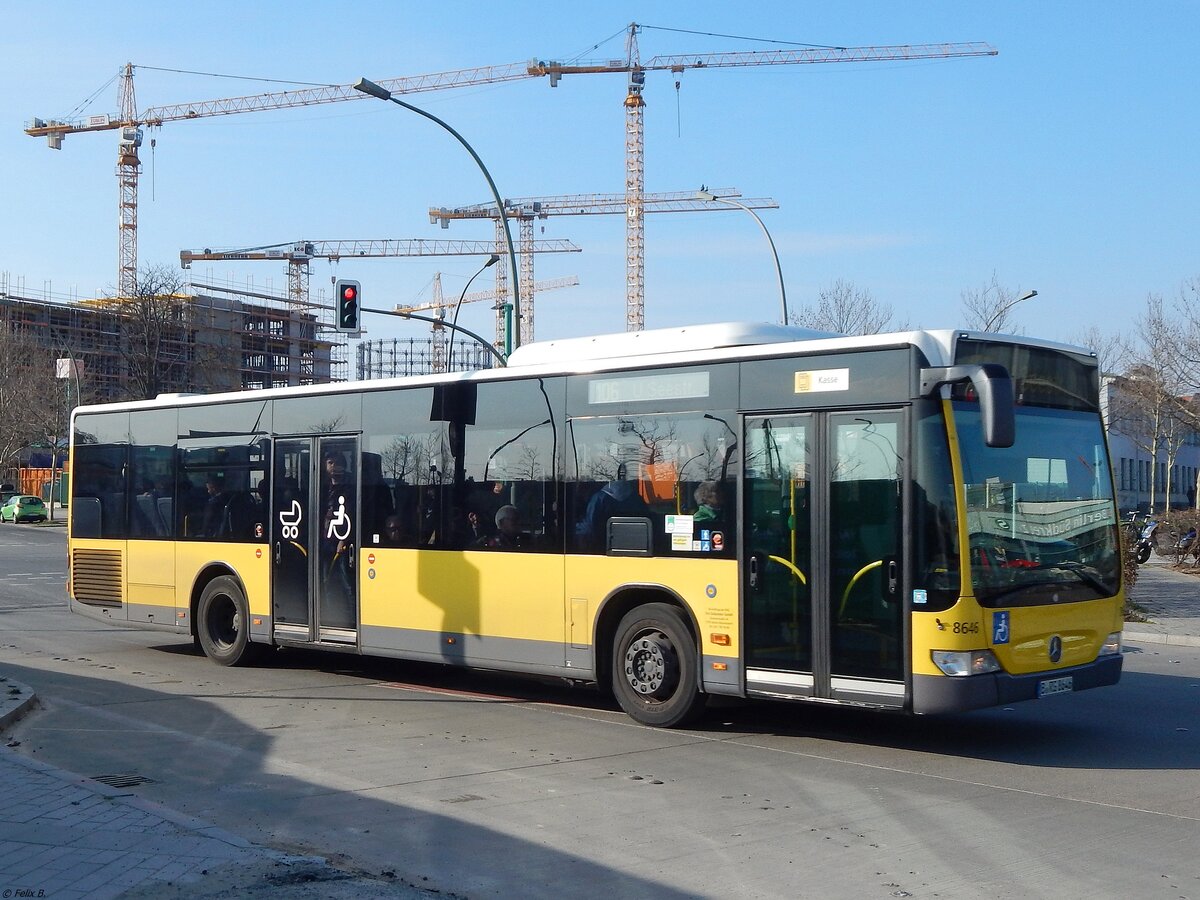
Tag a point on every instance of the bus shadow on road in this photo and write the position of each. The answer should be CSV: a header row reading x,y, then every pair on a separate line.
x,y
1145,722
205,762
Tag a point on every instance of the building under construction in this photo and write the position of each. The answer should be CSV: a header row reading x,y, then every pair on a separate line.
x,y
203,342
401,357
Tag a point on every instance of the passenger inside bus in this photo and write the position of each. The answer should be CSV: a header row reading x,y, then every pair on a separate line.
x,y
617,498
709,501
214,506
393,532
508,531
484,503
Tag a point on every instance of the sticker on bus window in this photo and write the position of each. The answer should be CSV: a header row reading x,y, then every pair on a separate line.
x,y
920,597
681,542
678,525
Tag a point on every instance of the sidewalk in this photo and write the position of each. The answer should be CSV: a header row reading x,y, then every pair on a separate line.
x,y
67,837
1171,599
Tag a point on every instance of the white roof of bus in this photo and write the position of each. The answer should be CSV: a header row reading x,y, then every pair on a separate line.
x,y
662,340
720,342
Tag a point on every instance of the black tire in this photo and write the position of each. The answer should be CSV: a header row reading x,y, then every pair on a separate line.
x,y
654,667
1143,553
223,623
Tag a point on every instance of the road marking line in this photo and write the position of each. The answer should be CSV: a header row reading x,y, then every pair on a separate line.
x,y
449,692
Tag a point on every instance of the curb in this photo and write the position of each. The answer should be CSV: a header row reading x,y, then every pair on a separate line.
x,y
14,709
26,702
1153,637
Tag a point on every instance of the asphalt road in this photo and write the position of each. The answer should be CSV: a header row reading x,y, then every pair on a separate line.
x,y
483,785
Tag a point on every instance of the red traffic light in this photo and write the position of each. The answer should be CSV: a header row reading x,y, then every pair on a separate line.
x,y
347,315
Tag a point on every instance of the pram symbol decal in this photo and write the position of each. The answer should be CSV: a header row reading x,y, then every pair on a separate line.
x,y
290,520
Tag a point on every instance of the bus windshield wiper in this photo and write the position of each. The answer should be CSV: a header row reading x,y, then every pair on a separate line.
x,y
1087,574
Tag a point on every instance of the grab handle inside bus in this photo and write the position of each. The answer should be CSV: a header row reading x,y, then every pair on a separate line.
x,y
993,385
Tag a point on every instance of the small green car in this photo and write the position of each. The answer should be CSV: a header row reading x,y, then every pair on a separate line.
x,y
23,508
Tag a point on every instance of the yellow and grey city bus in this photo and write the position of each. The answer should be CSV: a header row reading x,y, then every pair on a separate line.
x,y
921,521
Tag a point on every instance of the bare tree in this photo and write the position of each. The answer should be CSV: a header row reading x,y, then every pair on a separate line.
x,y
27,392
1187,306
400,458
990,308
1112,349
154,348
845,309
1150,405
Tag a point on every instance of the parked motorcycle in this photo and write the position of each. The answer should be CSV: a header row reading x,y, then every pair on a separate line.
x,y
1145,544
1185,545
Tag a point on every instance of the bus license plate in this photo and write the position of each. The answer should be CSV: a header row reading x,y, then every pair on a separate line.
x,y
1052,686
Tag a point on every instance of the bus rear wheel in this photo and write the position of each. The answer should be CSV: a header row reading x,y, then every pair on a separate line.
x,y
223,623
654,669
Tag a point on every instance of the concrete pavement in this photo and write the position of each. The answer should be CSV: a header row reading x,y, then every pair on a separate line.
x,y
1170,597
65,836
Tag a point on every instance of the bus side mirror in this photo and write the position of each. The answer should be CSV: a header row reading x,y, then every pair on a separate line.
x,y
993,386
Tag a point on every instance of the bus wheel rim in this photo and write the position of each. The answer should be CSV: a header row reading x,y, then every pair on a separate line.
x,y
650,664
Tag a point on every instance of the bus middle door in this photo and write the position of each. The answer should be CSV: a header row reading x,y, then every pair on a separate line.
x,y
314,546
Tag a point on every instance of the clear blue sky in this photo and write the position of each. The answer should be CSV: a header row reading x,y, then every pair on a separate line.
x,y
1067,164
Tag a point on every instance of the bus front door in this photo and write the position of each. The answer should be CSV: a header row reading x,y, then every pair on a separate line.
x,y
314,539
821,554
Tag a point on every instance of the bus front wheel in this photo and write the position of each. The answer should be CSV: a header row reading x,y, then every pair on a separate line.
x,y
222,623
654,667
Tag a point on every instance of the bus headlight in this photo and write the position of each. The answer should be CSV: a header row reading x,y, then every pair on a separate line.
x,y
1111,645
966,662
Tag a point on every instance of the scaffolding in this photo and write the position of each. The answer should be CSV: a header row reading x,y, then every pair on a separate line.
x,y
207,343
401,357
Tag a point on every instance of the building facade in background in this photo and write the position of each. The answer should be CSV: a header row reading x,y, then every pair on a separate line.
x,y
211,343
1154,444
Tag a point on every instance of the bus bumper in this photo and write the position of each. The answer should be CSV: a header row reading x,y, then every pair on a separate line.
x,y
943,694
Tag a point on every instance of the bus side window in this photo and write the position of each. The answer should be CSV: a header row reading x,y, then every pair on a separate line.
x,y
85,517
239,516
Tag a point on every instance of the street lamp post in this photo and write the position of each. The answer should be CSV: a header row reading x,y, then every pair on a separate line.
x,y
64,369
512,336
713,198
492,260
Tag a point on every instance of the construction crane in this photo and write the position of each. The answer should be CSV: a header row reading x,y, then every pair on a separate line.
x,y
527,209
635,169
438,306
298,254
129,122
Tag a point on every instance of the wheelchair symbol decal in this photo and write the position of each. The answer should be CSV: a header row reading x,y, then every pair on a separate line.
x,y
290,520
1000,629
339,523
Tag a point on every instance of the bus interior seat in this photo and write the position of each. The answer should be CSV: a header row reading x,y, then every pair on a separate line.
x,y
166,512
148,518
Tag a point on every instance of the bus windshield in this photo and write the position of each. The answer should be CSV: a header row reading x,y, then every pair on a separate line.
x,y
1040,514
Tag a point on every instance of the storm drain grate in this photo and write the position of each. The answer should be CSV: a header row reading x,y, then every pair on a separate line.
x,y
123,781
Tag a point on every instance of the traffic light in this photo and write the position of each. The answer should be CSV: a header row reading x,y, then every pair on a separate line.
x,y
347,313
